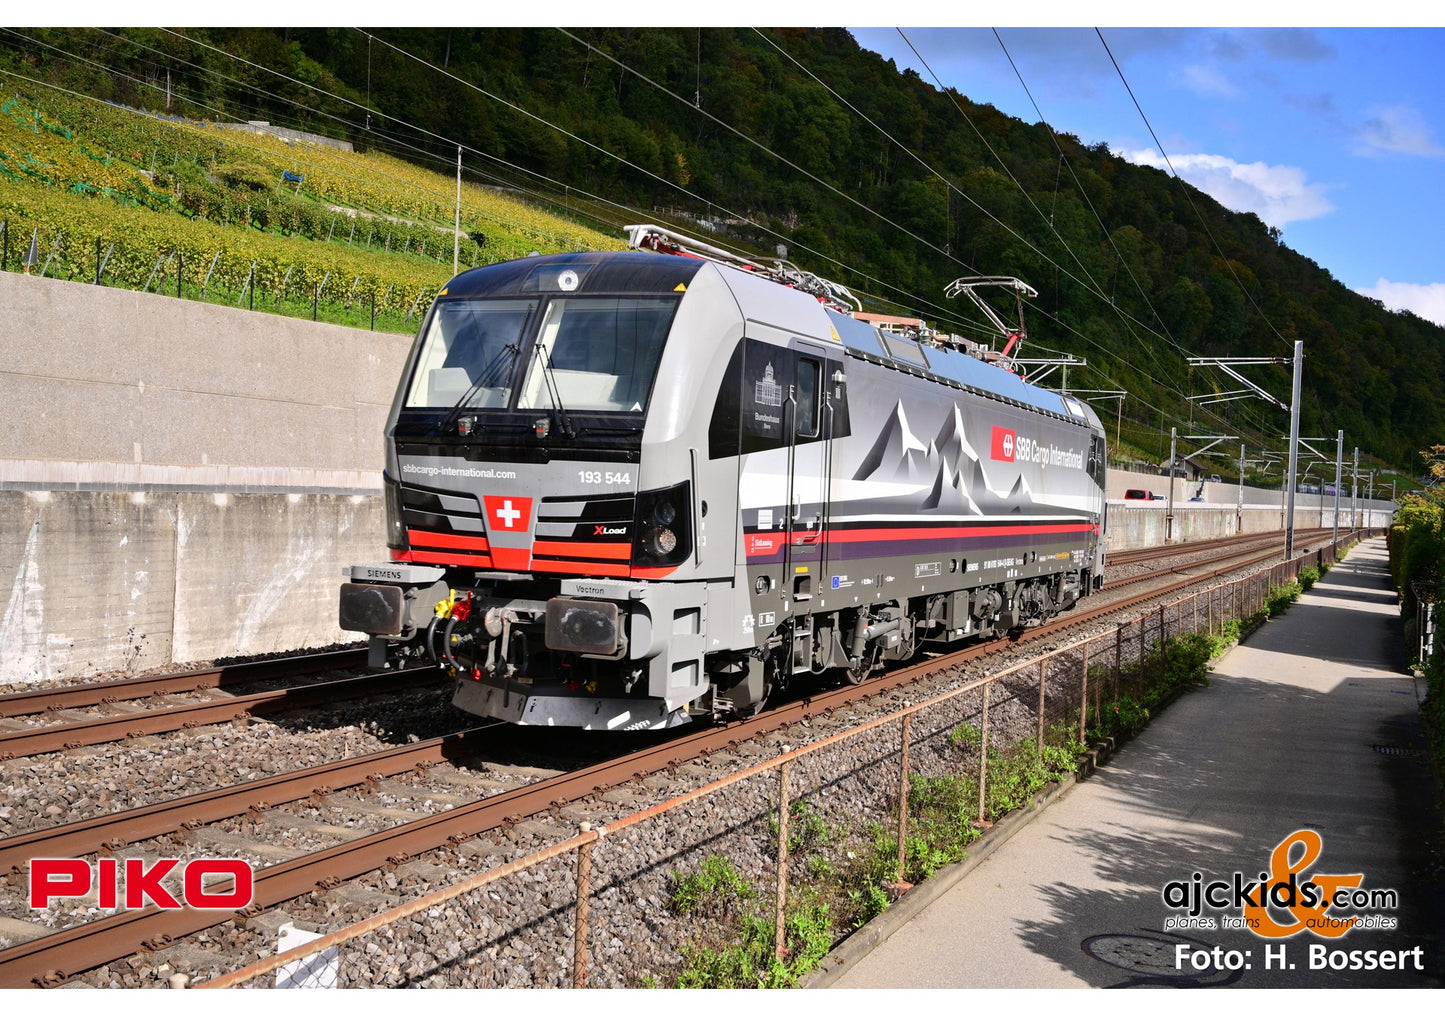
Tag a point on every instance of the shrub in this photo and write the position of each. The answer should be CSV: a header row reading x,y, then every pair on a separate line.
x,y
1280,597
1308,576
249,175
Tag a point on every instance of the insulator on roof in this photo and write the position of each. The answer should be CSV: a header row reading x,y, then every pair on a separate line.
x,y
667,241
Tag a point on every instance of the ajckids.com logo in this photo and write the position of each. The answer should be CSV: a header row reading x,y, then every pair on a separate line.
x,y
1283,901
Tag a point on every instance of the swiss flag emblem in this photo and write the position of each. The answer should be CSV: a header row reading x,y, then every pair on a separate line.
x,y
1003,444
508,514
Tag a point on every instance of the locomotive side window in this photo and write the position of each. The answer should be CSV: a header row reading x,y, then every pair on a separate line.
x,y
806,391
601,353
470,353
1097,461
752,404
722,432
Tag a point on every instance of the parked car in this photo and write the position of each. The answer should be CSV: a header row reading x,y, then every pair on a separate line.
x,y
1135,494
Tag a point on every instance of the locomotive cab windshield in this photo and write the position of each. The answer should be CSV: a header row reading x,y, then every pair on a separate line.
x,y
588,354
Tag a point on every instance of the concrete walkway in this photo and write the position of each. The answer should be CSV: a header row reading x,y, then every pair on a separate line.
x,y
1305,727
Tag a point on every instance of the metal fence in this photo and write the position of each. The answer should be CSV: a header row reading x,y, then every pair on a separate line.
x,y
580,890
221,278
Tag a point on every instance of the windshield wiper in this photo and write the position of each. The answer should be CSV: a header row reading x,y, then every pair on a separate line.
x,y
554,393
486,379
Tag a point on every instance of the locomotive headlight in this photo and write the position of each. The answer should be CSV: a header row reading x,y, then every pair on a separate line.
x,y
395,525
661,542
567,281
663,530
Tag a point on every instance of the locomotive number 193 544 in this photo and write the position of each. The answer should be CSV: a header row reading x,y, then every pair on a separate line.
x,y
597,476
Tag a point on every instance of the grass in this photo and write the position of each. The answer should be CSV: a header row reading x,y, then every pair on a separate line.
x,y
840,879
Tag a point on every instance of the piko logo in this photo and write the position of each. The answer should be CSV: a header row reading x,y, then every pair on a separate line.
x,y
1003,444
71,878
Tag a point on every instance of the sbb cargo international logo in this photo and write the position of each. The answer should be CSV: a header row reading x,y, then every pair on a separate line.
x,y
231,886
1003,444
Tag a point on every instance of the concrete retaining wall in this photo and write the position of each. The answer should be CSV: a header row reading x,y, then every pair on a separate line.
x,y
110,389
1130,528
100,581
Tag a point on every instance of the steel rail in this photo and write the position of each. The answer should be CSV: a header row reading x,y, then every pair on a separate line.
x,y
117,830
59,736
52,959
1247,558
26,703
1174,549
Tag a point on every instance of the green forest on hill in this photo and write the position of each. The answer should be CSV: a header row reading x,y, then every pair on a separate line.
x,y
778,138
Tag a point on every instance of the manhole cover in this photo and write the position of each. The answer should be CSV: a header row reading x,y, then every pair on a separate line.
x,y
1152,961
1138,954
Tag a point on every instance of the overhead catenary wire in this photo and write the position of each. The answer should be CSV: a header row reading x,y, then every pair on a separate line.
x,y
633,212
239,142
1204,222
1167,384
1127,319
1064,160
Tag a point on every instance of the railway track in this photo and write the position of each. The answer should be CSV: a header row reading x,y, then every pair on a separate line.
x,y
53,958
1124,557
249,672
78,733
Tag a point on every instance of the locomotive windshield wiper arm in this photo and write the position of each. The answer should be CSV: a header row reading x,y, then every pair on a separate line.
x,y
485,379
554,393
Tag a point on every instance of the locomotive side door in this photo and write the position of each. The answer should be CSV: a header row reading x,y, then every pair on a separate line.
x,y
809,430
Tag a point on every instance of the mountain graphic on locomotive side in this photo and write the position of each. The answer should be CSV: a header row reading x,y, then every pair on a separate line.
x,y
625,490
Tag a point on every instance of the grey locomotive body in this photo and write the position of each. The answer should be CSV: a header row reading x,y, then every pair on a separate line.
x,y
627,489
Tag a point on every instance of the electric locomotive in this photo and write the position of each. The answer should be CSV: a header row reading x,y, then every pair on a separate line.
x,y
629,489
